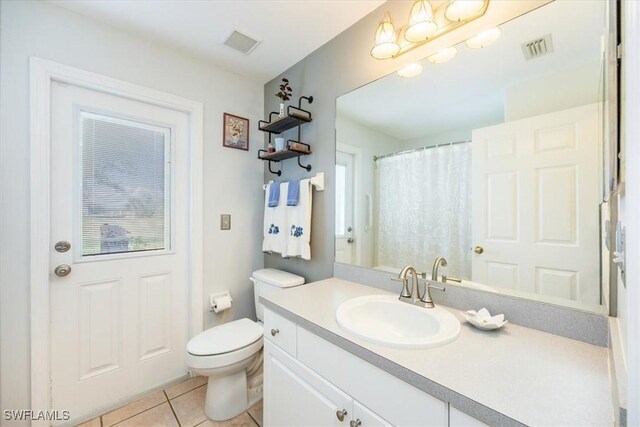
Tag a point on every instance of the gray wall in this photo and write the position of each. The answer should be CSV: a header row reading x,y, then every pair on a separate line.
x,y
342,65
232,178
339,66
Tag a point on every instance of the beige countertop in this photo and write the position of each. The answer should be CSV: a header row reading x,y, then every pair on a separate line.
x,y
522,374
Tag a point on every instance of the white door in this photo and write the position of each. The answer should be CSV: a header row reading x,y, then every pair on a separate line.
x,y
119,198
296,396
535,208
344,207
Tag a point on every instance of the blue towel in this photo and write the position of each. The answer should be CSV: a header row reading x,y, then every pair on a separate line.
x,y
274,194
294,193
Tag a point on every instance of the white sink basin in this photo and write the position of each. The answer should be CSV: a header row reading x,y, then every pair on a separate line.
x,y
383,319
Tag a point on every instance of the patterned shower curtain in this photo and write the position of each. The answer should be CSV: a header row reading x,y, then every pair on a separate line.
x,y
424,209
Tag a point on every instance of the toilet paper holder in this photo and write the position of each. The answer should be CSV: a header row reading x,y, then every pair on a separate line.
x,y
216,297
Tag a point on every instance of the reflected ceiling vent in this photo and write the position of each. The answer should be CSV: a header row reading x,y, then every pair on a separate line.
x,y
241,42
538,47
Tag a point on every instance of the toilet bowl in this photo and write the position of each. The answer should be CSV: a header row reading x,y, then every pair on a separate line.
x,y
224,354
230,355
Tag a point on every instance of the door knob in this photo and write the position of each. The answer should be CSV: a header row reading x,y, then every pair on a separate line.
x,y
478,249
62,270
350,240
355,423
274,332
340,414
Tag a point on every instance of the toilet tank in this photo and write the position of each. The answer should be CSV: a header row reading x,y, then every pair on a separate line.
x,y
270,280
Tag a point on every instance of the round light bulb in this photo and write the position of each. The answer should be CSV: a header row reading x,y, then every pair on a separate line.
x,y
459,10
484,39
385,40
421,23
385,50
410,70
443,56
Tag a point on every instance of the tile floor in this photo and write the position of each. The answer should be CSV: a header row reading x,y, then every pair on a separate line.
x,y
181,405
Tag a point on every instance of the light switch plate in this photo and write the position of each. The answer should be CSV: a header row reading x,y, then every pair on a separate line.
x,y
225,222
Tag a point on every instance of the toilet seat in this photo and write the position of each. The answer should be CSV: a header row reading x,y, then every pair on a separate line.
x,y
225,344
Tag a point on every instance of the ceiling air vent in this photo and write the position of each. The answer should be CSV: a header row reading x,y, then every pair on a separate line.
x,y
241,42
538,47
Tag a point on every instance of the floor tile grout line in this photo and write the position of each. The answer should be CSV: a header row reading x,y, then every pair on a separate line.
x,y
171,406
135,415
254,419
182,394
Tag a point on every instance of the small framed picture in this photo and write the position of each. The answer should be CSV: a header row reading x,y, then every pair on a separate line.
x,y
236,132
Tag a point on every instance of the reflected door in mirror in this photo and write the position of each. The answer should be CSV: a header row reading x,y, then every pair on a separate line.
x,y
345,248
535,212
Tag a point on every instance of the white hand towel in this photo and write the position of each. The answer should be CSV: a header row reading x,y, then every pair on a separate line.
x,y
298,243
274,228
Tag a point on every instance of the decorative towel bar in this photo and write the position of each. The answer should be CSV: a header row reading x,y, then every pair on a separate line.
x,y
317,181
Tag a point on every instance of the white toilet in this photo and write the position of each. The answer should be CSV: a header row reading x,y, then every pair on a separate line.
x,y
231,354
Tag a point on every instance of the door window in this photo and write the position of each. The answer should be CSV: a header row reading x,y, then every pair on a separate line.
x,y
125,196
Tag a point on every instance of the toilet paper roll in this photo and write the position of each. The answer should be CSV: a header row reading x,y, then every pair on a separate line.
x,y
221,303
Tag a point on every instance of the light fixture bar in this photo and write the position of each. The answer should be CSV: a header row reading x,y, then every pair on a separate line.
x,y
444,26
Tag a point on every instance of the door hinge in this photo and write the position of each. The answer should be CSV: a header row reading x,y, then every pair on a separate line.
x,y
619,51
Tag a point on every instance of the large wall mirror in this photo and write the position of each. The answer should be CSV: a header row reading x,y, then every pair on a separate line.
x,y
494,158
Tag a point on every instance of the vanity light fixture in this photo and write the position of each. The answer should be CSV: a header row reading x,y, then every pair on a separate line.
x,y
426,23
484,38
443,56
459,10
421,23
386,40
410,70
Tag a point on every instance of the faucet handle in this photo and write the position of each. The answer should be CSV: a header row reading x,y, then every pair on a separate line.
x,y
451,279
405,286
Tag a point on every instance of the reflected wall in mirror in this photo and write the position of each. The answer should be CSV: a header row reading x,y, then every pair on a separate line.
x,y
494,160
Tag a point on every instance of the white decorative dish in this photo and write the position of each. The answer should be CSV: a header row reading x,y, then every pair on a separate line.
x,y
482,319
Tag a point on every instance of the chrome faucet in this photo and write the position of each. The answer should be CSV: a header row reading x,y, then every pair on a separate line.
x,y
414,296
440,261
426,299
405,295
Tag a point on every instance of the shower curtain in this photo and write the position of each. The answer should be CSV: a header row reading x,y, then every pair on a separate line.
x,y
424,209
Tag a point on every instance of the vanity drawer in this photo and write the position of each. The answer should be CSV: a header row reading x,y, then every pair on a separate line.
x,y
280,331
393,400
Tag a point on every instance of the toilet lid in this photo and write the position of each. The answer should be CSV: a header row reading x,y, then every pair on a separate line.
x,y
225,338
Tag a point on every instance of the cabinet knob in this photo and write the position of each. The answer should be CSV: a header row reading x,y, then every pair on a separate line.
x,y
478,249
274,332
355,423
340,414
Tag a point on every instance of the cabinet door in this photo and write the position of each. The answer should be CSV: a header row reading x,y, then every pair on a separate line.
x,y
363,417
460,419
296,396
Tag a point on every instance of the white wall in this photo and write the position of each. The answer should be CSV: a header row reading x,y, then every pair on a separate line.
x,y
630,168
369,143
232,180
554,92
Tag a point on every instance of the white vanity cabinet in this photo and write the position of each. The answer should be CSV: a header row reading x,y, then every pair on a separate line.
x,y
312,382
296,396
460,419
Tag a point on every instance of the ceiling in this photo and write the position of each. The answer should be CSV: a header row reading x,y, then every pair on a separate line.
x,y
289,30
469,91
